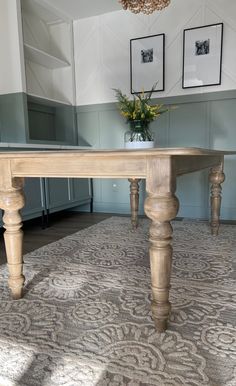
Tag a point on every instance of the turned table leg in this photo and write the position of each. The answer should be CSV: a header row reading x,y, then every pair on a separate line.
x,y
134,201
11,201
216,178
161,206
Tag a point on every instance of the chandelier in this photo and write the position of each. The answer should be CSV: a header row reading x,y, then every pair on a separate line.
x,y
144,6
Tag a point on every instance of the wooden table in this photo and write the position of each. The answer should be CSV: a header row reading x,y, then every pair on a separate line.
x,y
159,167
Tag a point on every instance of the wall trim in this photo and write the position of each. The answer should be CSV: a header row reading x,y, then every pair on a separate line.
x,y
181,99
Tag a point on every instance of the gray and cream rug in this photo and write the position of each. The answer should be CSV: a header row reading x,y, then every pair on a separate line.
x,y
85,318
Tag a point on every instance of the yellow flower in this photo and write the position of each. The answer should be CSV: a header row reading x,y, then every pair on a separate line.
x,y
139,107
125,114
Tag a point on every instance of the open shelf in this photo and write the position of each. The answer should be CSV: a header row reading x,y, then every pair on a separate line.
x,y
46,101
49,70
43,58
48,52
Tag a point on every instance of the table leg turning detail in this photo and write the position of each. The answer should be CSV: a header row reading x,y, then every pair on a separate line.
x,y
161,206
216,178
134,201
11,202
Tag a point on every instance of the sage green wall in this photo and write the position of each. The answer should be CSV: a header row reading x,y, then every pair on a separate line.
x,y
52,124
25,119
13,118
207,120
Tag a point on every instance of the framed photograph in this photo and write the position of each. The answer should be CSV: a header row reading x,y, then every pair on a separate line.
x,y
147,63
202,56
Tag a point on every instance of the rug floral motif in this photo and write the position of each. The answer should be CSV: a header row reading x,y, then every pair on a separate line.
x,y
85,316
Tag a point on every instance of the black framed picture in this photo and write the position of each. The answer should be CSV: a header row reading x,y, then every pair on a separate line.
x,y
147,63
202,56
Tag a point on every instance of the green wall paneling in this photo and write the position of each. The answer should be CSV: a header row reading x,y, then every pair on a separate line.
x,y
113,129
63,193
160,130
88,132
41,122
188,126
57,193
51,122
66,126
34,198
223,135
80,189
13,118
223,124
28,119
200,120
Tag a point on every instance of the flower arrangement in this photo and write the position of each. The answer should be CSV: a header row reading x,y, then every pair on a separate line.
x,y
139,112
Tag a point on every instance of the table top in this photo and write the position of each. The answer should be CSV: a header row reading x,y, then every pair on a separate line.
x,y
108,163
160,152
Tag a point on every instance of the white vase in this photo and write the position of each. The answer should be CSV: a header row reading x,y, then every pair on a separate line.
x,y
139,145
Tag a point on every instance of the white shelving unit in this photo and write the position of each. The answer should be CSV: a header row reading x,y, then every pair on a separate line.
x,y
46,116
49,72
48,50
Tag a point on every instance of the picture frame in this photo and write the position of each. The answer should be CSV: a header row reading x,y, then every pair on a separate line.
x,y
147,63
202,56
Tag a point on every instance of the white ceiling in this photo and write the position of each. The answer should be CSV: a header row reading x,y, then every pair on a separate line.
x,y
77,9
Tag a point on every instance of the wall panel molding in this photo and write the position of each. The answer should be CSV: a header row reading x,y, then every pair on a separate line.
x,y
201,120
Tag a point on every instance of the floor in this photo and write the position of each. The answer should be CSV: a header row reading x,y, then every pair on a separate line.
x,y
60,225
85,318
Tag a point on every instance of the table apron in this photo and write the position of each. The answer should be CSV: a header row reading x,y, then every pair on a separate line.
x,y
189,164
81,167
100,167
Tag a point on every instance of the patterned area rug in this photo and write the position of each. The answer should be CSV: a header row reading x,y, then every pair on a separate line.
x,y
85,317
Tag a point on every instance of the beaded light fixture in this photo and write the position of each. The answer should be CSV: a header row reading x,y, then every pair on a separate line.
x,y
144,6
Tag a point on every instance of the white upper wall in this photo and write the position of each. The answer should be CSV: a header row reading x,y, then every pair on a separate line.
x,y
12,78
102,47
